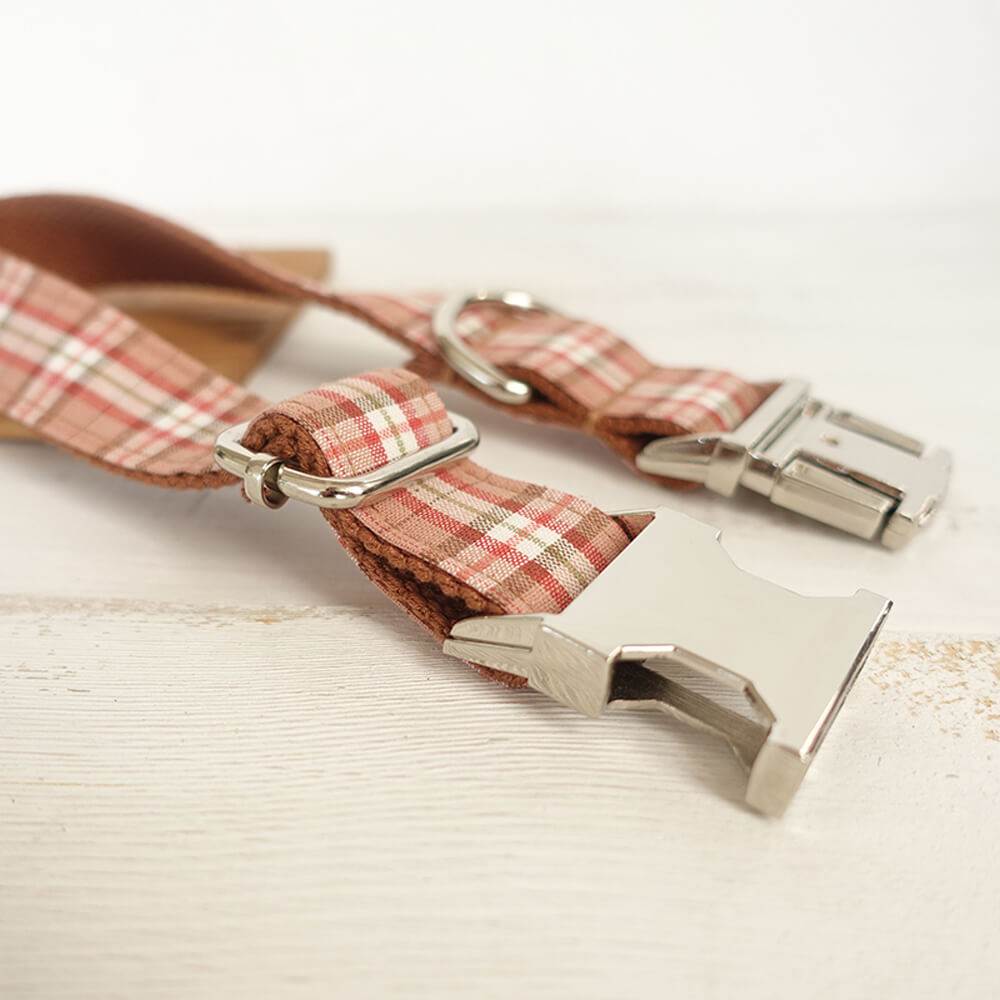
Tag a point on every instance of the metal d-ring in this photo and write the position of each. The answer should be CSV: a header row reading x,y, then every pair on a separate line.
x,y
464,360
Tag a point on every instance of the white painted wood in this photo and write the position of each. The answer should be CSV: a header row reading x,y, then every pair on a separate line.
x,y
228,767
727,104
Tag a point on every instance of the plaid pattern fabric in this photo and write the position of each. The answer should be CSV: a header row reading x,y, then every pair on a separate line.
x,y
585,376
525,547
586,362
89,378
694,400
584,366
366,421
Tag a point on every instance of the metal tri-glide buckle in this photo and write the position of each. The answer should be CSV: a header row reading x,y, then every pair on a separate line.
x,y
828,464
674,624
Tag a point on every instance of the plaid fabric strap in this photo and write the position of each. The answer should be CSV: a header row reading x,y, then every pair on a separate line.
x,y
460,541
583,375
89,378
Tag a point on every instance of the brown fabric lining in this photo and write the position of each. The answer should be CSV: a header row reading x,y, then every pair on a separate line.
x,y
93,241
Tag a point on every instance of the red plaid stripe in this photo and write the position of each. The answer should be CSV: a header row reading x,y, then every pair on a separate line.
x,y
364,422
89,378
526,547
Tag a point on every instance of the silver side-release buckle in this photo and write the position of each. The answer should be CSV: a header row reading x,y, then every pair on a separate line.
x,y
828,464
674,624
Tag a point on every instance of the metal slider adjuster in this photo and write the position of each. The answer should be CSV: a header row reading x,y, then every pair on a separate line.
x,y
268,481
674,624
828,464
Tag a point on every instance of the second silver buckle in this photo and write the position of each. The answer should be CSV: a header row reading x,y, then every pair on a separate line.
x,y
806,456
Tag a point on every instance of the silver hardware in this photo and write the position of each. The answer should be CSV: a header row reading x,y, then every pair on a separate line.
x,y
464,360
268,481
674,624
828,464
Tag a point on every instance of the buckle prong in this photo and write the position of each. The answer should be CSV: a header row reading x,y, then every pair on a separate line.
x,y
674,624
806,456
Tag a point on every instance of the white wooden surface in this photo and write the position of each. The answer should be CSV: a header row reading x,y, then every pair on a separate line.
x,y
228,767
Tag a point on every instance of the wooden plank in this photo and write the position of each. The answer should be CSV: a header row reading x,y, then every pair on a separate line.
x,y
231,798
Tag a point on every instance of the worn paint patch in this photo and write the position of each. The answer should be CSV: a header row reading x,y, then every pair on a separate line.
x,y
220,615
957,679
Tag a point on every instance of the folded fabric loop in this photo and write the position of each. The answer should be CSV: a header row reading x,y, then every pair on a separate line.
x,y
459,541
363,422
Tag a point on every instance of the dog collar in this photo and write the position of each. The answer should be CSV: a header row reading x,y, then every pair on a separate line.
x,y
531,585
